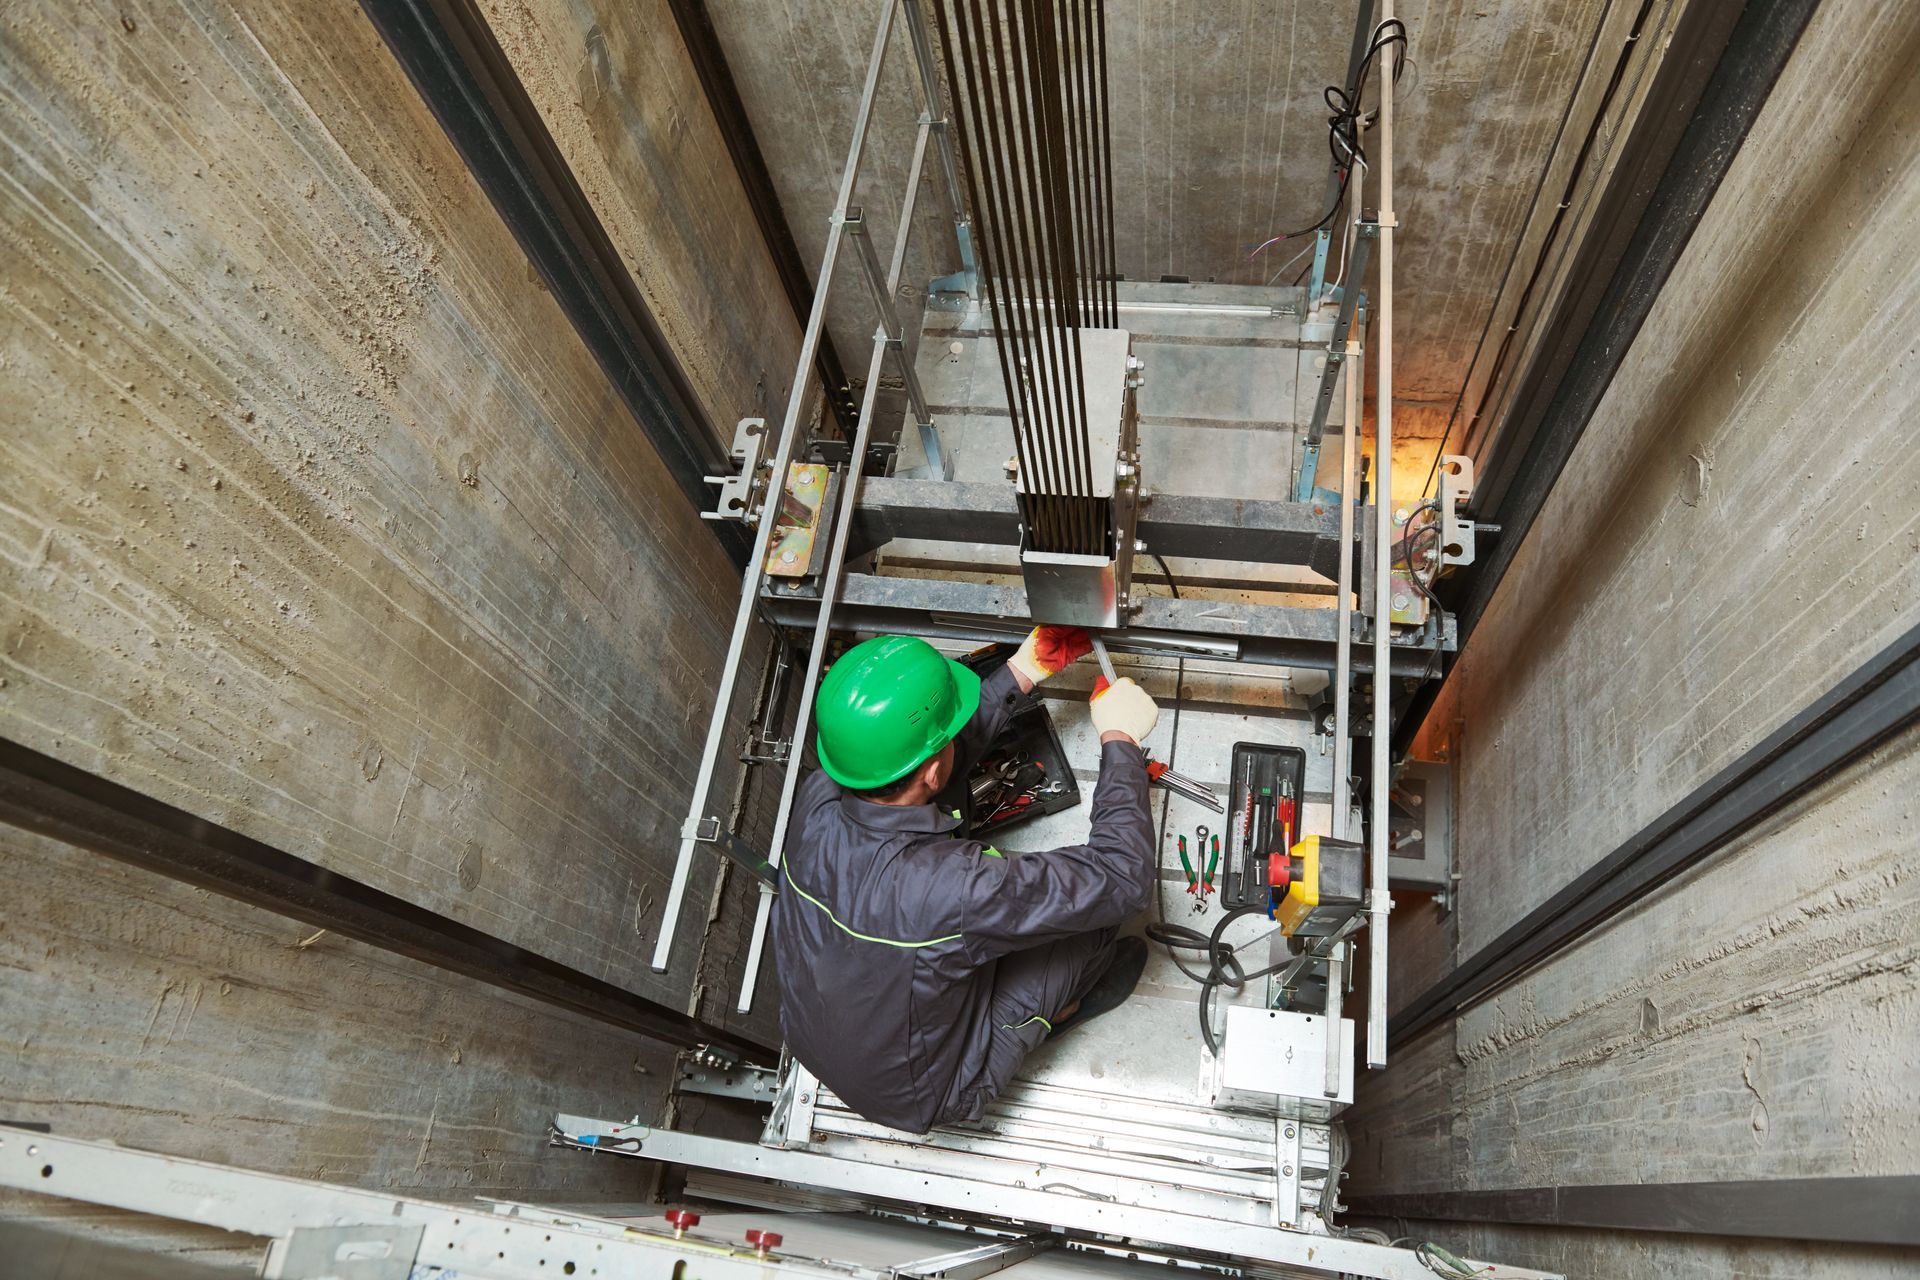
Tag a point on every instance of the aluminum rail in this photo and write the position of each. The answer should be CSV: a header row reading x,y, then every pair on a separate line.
x,y
884,286
1380,899
1343,687
690,833
884,339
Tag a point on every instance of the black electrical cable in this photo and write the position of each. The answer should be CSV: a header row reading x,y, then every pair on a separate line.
x,y
1223,965
1406,548
1343,126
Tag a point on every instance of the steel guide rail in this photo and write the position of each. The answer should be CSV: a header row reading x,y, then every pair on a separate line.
x,y
836,568
700,827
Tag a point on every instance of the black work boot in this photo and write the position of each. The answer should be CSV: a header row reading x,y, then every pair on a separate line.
x,y
1111,989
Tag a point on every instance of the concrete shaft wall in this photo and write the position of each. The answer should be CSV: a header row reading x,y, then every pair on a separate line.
x,y
1735,533
318,521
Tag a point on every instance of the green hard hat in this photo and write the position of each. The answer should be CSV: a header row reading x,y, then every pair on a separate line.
x,y
887,706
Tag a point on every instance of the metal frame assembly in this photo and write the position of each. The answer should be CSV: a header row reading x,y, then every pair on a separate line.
x,y
1242,1159
1227,1156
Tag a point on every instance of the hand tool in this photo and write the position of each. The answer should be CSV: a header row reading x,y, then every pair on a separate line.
x,y
1106,662
1181,784
1284,814
1193,882
1212,866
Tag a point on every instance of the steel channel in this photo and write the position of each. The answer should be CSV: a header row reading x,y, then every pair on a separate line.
x,y
883,304
1336,992
836,565
1336,356
770,507
1335,342
973,1264
1380,897
1065,1209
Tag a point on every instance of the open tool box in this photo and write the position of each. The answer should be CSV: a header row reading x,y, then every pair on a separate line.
x,y
1263,817
1025,774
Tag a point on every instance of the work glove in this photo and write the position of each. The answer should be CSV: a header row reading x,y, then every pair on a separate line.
x,y
1049,651
1123,707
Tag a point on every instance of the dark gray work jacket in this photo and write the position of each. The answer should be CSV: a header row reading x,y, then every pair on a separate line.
x,y
888,926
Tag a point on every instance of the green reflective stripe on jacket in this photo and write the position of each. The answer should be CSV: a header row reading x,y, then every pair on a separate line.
x,y
855,933
992,852
1029,1022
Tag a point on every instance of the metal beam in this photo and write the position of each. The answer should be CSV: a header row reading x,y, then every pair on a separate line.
x,y
1875,702
1068,1210
978,1262
980,612
1241,529
55,799
449,52
1848,1210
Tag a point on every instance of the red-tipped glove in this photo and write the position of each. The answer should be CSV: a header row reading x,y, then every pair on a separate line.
x,y
1123,707
1048,651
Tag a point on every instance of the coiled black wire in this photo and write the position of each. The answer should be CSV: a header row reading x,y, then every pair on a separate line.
x,y
1223,965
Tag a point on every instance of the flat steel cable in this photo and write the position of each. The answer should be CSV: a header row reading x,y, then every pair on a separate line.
x,y
1044,70
989,248
1028,124
1024,305
1106,145
984,195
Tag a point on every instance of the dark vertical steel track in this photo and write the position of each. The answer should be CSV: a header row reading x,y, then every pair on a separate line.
x,y
450,53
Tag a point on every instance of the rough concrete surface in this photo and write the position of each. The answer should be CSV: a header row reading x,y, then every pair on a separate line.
x,y
1735,533
1754,1021
1717,553
318,521
1618,1255
619,94
221,1032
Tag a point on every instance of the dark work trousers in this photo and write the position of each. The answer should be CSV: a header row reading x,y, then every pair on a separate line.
x,y
1030,988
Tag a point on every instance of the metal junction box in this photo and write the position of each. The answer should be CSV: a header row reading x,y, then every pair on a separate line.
x,y
1275,1063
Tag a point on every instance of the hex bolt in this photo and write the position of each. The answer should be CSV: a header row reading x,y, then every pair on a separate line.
x,y
1286,1170
1139,546
764,1242
1289,1131
682,1221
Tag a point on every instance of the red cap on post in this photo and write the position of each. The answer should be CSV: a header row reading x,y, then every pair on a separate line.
x,y
764,1241
681,1220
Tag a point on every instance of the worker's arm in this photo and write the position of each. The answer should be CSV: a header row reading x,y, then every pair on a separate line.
x,y
1010,904
1046,652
